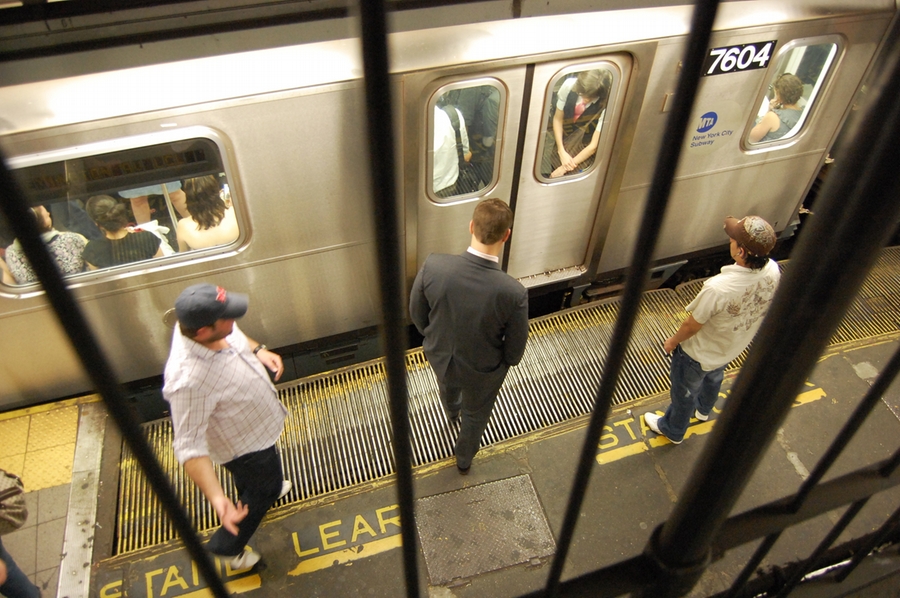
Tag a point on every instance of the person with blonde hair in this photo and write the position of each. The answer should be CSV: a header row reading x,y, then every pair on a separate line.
x,y
577,121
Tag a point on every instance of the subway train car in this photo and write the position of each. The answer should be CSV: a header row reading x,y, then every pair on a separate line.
x,y
279,134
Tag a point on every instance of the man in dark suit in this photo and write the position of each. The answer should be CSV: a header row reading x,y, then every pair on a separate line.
x,y
474,318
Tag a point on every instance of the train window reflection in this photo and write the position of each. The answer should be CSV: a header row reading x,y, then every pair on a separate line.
x,y
575,109
792,90
104,211
465,131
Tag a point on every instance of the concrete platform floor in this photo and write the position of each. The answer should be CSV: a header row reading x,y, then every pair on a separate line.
x,y
347,544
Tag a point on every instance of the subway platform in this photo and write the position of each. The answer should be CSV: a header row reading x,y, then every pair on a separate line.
x,y
97,530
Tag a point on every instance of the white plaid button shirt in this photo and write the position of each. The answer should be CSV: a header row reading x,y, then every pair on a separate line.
x,y
223,403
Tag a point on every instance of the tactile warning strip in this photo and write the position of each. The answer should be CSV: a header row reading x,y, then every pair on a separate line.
x,y
482,528
338,431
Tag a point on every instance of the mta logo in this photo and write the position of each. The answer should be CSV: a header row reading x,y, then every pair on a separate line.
x,y
707,122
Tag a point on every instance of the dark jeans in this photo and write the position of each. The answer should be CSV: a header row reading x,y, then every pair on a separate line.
x,y
474,406
17,584
692,388
257,477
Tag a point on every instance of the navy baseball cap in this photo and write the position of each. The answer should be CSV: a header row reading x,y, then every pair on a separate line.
x,y
202,304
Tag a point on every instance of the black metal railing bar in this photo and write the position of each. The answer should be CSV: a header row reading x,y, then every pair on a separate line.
x,y
856,215
890,526
639,571
654,211
873,396
391,283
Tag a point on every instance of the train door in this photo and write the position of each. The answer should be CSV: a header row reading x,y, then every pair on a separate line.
x,y
576,105
495,135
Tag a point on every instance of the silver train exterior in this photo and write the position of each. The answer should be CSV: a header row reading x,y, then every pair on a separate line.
x,y
285,127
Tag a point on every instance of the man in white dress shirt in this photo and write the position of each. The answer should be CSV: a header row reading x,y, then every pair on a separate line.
x,y
447,151
225,409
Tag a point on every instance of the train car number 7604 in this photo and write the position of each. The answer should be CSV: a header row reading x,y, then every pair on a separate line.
x,y
732,59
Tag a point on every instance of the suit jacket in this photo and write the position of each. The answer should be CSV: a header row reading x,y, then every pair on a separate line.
x,y
474,318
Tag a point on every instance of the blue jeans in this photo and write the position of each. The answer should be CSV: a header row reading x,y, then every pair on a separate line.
x,y
17,584
257,477
692,388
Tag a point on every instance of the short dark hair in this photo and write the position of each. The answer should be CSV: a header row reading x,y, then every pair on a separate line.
x,y
492,218
754,262
188,332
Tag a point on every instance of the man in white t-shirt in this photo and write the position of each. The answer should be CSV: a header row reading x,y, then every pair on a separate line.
x,y
446,154
724,318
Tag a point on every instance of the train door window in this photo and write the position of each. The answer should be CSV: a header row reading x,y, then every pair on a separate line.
x,y
798,76
465,132
115,211
575,110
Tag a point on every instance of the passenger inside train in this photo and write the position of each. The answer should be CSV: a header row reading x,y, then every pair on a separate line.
x,y
479,109
785,110
574,131
140,200
451,150
211,221
65,247
119,244
799,77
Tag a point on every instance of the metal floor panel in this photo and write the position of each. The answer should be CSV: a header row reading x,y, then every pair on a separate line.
x,y
482,528
337,433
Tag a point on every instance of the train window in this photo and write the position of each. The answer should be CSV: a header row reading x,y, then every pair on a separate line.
x,y
115,209
793,88
465,133
575,110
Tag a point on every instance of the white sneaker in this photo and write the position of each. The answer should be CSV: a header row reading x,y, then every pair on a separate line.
x,y
245,560
286,486
652,421
700,416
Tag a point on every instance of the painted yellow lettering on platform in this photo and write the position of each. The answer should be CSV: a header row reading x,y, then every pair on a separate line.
x,y
173,578
608,440
620,453
149,575
111,590
632,444
346,555
627,424
302,553
175,581
361,526
325,536
809,396
369,533
382,522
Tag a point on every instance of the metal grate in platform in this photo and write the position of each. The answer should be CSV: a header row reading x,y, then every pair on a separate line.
x,y
482,528
337,433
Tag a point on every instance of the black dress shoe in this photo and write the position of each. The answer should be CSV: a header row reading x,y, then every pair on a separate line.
x,y
463,471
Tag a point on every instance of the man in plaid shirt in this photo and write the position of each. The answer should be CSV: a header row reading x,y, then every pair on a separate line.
x,y
225,410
